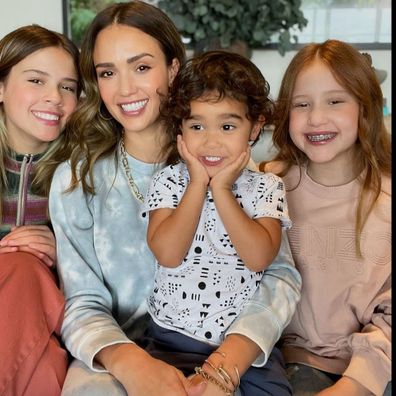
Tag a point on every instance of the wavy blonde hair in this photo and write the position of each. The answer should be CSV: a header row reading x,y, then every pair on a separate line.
x,y
355,73
15,47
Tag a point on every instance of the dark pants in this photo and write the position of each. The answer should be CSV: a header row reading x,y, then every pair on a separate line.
x,y
186,353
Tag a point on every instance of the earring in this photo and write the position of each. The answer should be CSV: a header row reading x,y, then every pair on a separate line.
x,y
103,117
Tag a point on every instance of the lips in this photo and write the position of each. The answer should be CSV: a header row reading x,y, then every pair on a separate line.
x,y
134,106
211,160
320,137
46,116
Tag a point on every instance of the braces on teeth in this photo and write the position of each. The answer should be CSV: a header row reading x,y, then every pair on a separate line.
x,y
318,138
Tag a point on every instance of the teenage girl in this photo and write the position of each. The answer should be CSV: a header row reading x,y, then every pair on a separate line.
x,y
39,88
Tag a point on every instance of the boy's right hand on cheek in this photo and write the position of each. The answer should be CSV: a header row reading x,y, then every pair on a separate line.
x,y
196,170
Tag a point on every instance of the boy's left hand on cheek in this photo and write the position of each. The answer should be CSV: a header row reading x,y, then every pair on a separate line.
x,y
227,176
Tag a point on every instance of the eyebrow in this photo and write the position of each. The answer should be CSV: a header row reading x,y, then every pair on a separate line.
x,y
129,60
43,73
223,116
330,92
231,115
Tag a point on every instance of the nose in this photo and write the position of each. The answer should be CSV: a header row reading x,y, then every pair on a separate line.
x,y
317,115
53,95
212,138
127,84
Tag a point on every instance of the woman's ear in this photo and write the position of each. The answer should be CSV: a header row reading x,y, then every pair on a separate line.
x,y
173,69
1,91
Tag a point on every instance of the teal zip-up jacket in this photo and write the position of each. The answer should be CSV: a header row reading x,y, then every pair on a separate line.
x,y
107,270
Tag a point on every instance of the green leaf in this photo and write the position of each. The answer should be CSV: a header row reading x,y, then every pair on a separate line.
x,y
215,26
253,21
79,21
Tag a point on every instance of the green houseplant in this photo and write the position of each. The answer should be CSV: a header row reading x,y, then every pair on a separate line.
x,y
81,14
212,24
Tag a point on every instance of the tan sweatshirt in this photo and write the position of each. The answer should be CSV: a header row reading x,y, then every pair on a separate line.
x,y
342,323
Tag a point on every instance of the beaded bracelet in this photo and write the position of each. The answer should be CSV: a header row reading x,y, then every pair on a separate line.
x,y
206,376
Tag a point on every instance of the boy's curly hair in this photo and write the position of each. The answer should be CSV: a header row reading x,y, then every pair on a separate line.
x,y
215,74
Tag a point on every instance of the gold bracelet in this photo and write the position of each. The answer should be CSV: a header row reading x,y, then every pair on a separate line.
x,y
221,353
238,377
206,376
221,373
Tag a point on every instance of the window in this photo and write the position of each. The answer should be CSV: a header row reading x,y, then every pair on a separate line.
x,y
365,22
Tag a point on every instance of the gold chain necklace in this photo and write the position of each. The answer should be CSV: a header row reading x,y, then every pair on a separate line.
x,y
131,182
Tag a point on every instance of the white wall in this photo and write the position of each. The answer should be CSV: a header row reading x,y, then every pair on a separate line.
x,y
273,65
16,13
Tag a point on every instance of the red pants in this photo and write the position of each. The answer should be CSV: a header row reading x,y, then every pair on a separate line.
x,y
32,363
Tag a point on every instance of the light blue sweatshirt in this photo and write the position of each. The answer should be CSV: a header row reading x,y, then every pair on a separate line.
x,y
107,270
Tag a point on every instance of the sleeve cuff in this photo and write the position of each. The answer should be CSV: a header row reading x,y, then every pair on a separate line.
x,y
373,373
95,344
269,333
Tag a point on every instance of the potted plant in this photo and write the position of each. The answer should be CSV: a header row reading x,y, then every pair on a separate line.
x,y
81,14
210,24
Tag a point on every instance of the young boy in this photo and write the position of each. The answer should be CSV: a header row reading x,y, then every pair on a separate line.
x,y
214,225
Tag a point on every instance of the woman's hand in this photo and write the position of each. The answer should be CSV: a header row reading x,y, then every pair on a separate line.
x,y
156,377
196,170
210,390
141,374
38,240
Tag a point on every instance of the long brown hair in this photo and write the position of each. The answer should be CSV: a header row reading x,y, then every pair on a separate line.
x,y
15,47
355,73
93,132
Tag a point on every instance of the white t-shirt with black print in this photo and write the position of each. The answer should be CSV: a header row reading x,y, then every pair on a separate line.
x,y
204,294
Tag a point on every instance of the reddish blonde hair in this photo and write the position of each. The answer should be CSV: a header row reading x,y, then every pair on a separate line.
x,y
355,73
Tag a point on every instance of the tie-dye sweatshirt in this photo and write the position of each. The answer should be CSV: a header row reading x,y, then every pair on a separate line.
x,y
107,270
